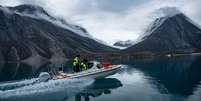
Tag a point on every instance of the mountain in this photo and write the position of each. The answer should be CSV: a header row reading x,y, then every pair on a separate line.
x,y
38,12
123,44
28,33
30,9
173,32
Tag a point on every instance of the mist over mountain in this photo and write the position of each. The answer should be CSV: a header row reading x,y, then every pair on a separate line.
x,y
171,32
30,34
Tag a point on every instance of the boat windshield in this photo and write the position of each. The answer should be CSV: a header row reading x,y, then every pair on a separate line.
x,y
99,66
96,65
90,65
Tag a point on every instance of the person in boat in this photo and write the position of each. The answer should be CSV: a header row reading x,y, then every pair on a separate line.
x,y
76,64
84,64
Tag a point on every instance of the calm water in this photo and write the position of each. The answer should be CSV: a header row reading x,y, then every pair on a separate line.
x,y
177,79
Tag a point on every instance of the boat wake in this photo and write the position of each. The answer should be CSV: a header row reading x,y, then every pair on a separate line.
x,y
25,89
17,84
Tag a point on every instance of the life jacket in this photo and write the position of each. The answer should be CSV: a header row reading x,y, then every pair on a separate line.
x,y
84,66
76,61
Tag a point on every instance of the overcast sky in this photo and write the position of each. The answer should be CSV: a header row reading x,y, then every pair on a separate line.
x,y
112,20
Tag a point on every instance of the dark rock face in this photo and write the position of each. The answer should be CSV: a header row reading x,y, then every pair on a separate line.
x,y
23,37
176,33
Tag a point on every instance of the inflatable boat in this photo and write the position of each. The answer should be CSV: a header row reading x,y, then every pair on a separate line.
x,y
96,71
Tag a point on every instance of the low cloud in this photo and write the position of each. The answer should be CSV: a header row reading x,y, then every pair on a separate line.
x,y
112,20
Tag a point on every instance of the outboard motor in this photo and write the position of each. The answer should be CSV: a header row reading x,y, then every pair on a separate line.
x,y
43,77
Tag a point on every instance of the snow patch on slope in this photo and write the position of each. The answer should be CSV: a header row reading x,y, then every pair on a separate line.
x,y
57,22
160,15
40,14
154,25
37,12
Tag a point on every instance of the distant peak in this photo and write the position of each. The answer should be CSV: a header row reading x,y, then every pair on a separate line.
x,y
167,12
123,44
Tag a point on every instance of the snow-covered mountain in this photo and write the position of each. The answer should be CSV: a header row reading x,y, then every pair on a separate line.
x,y
123,44
39,13
30,34
171,32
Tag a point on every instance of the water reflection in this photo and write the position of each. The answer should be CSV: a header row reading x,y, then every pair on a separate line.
x,y
173,79
179,76
14,71
19,71
98,88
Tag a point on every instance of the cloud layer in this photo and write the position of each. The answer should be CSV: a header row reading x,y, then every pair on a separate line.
x,y
112,20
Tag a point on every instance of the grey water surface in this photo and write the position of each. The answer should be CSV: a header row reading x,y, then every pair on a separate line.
x,y
165,79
